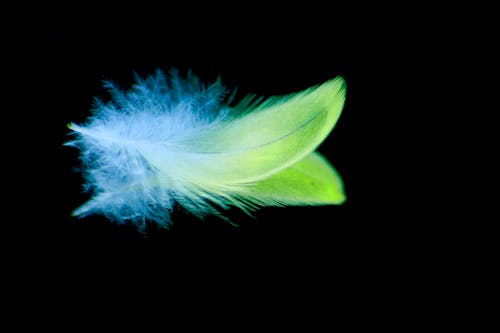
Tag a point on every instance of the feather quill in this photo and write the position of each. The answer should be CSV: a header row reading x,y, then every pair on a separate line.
x,y
173,140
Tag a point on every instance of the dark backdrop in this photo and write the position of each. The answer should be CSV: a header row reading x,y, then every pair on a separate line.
x,y
398,145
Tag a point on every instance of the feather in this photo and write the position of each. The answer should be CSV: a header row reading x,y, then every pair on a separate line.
x,y
171,140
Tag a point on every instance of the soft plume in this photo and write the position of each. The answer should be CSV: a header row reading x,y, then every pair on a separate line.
x,y
173,140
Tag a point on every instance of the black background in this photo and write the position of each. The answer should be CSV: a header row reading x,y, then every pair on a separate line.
x,y
415,193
